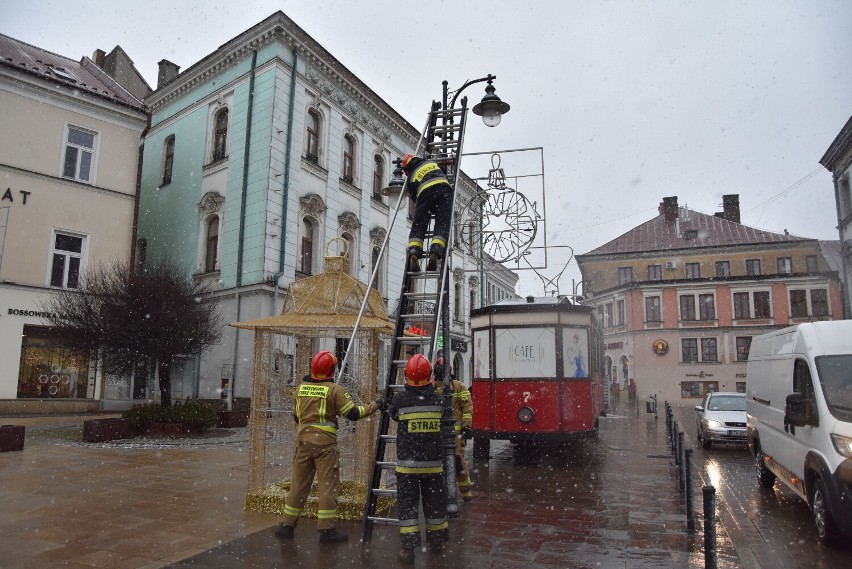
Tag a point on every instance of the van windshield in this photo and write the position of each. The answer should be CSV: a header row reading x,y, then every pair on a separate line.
x,y
835,374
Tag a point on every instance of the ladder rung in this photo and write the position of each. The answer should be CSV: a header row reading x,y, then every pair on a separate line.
x,y
433,296
414,339
423,316
385,521
389,438
383,492
397,386
455,111
386,465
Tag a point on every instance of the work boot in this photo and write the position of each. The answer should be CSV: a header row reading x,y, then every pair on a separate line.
x,y
283,530
467,496
331,536
413,264
406,556
432,265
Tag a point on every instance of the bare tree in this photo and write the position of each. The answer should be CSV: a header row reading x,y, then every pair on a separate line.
x,y
126,316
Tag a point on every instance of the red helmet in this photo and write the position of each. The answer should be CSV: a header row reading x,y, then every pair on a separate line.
x,y
418,371
322,365
405,160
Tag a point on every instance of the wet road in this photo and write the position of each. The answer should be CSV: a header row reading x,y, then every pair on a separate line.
x,y
769,527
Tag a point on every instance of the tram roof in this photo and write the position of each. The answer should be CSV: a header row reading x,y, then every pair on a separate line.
x,y
532,304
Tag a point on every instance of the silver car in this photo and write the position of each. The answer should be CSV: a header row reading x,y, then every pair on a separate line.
x,y
721,418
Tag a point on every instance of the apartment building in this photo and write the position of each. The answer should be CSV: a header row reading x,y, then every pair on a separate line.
x,y
263,158
69,157
681,296
838,160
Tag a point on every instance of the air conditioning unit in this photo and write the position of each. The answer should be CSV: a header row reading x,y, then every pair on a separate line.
x,y
671,265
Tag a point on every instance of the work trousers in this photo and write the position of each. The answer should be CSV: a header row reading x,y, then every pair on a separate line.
x,y
410,488
435,200
462,472
324,462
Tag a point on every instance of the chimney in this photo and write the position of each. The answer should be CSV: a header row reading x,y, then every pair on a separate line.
x,y
168,71
99,56
669,208
731,207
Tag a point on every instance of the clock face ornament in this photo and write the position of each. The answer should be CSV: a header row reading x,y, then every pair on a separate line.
x,y
509,221
661,347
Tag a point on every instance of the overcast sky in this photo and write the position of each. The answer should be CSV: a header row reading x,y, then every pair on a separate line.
x,y
629,101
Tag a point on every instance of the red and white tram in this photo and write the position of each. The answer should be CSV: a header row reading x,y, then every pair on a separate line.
x,y
537,372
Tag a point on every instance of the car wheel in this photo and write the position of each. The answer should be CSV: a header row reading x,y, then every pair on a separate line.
x,y
765,477
827,531
705,442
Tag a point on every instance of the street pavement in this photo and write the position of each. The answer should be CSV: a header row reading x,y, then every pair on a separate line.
x,y
610,502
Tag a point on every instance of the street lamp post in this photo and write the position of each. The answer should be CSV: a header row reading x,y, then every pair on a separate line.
x,y
491,109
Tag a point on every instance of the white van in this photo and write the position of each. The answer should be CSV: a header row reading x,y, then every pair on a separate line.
x,y
799,407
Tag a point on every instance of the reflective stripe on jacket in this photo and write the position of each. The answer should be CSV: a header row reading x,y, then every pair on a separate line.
x,y
424,174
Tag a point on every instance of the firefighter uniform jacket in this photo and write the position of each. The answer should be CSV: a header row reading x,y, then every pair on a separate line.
x,y
429,188
419,470
316,406
462,405
423,174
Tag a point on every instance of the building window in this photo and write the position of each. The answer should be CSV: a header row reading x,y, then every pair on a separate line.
x,y
458,298
348,174
785,265
743,301
211,257
608,315
689,350
753,267
723,269
375,261
687,307
220,136
625,275
798,303
693,270
378,177
811,262
652,309
619,313
655,272
79,154
351,251
706,307
697,389
709,352
761,305
743,347
819,302
307,257
741,387
67,254
50,368
168,159
472,299
312,136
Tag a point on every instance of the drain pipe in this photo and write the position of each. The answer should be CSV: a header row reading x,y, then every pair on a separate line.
x,y
285,191
239,282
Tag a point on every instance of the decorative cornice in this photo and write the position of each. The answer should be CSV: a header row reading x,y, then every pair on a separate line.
x,y
211,202
348,222
312,205
377,236
458,276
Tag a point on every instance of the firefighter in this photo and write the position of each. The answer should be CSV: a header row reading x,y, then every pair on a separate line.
x,y
420,468
431,191
316,406
463,414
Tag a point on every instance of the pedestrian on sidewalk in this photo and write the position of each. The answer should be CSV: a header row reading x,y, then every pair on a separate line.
x,y
463,415
419,465
430,189
316,406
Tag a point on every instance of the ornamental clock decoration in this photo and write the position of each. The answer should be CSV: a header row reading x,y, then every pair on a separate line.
x,y
661,347
509,221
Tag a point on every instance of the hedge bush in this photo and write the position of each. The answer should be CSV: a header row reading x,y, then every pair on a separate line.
x,y
190,412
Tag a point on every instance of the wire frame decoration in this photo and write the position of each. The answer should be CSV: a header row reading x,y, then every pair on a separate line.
x,y
319,313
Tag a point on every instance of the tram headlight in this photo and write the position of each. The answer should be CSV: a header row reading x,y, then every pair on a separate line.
x,y
525,415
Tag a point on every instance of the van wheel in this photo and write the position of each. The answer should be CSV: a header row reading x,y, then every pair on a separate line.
x,y
827,531
765,477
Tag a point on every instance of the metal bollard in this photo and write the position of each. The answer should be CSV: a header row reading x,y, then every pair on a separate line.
x,y
680,473
709,527
690,513
674,439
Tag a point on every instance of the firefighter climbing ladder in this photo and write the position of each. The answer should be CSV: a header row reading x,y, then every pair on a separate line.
x,y
421,307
